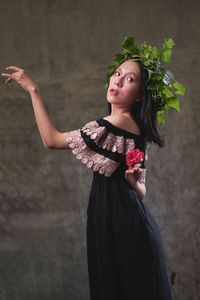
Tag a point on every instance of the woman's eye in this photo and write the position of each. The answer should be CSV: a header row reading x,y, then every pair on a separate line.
x,y
130,79
117,73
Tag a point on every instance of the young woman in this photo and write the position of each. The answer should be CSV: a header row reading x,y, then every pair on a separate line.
x,y
124,248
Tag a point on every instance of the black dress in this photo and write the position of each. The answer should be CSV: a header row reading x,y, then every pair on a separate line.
x,y
125,255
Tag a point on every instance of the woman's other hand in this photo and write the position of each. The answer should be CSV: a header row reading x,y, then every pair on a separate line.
x,y
22,77
132,174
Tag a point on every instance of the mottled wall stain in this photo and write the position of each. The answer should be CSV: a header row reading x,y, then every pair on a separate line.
x,y
66,47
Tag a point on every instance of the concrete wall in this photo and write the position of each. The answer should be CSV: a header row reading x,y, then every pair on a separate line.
x,y
66,46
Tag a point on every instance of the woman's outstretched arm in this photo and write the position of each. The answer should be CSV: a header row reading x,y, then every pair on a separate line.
x,y
51,137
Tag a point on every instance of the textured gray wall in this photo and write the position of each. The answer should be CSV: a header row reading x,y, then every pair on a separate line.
x,y
66,47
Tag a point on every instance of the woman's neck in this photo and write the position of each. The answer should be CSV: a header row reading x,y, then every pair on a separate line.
x,y
120,111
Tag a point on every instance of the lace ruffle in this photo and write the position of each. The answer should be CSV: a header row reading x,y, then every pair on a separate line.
x,y
103,139
108,140
93,160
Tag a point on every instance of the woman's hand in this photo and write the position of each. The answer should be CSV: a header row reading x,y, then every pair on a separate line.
x,y
132,175
22,77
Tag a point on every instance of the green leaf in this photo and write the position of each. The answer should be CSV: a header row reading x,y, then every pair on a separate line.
x,y
111,70
149,74
180,89
146,63
155,52
166,55
168,43
146,50
118,58
128,44
166,107
152,87
158,76
160,118
109,73
167,92
174,102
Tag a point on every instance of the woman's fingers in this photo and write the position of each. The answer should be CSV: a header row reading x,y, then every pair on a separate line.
x,y
14,75
128,172
8,80
21,77
133,169
132,172
13,68
9,77
6,74
137,165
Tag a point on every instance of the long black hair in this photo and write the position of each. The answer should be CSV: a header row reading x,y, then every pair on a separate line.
x,y
144,113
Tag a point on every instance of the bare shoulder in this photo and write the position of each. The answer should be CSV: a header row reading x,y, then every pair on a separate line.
x,y
124,123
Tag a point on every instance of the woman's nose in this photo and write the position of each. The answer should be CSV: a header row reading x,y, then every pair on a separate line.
x,y
118,81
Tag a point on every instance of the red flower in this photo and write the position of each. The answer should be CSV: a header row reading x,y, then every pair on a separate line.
x,y
133,157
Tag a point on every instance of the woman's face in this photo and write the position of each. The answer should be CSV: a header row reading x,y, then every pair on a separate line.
x,y
124,85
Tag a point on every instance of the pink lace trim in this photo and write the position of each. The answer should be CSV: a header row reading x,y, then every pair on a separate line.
x,y
103,139
129,145
93,160
108,141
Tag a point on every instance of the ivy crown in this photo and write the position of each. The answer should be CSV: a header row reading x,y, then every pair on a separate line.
x,y
161,82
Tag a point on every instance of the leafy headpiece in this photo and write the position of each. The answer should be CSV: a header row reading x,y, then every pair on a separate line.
x,y
161,82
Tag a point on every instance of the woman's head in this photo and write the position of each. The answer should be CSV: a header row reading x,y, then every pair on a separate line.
x,y
128,88
125,85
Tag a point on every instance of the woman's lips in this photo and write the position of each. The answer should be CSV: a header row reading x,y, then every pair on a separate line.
x,y
114,92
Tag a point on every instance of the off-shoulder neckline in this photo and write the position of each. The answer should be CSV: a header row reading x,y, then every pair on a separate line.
x,y
120,129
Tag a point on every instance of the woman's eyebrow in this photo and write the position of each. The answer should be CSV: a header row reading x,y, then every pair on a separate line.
x,y
129,72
